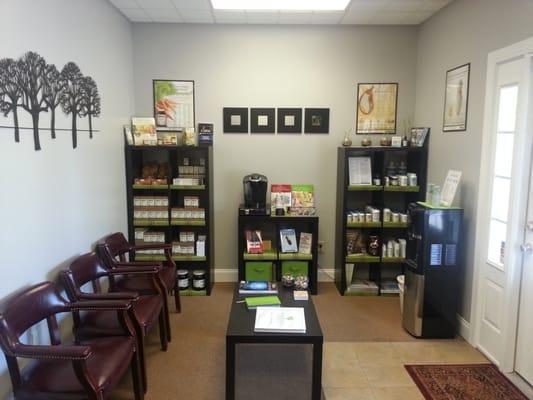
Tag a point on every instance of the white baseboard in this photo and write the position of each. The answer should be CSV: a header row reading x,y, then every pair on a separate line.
x,y
464,328
231,275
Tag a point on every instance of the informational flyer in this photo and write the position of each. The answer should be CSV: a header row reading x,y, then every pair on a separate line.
x,y
450,187
360,171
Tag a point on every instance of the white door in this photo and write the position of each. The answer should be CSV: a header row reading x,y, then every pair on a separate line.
x,y
524,341
502,204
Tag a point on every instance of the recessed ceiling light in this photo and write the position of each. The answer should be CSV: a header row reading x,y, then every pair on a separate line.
x,y
293,5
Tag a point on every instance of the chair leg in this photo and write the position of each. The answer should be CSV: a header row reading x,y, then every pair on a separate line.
x,y
177,300
142,361
138,388
167,317
163,330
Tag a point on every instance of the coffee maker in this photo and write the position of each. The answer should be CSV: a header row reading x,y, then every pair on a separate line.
x,y
255,192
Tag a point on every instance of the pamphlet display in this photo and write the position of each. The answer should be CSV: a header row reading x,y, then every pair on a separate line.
x,y
360,171
144,132
280,199
450,187
306,240
254,242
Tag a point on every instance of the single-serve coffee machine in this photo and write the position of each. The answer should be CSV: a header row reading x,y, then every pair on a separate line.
x,y
255,193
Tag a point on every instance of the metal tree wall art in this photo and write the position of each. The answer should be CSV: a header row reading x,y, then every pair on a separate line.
x,y
31,84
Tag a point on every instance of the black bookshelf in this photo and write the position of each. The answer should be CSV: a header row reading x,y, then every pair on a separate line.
x,y
270,227
137,157
350,198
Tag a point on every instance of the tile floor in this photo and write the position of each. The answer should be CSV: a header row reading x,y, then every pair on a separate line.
x,y
375,370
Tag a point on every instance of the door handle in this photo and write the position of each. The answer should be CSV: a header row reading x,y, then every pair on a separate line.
x,y
526,248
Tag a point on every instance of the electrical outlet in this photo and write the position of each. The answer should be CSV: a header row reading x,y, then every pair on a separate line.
x,y
321,246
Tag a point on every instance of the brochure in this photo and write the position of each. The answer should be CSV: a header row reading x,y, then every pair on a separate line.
x,y
288,241
303,196
280,198
144,133
254,242
306,240
280,320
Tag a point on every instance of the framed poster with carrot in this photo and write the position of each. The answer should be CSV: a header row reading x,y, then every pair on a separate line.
x,y
173,104
376,108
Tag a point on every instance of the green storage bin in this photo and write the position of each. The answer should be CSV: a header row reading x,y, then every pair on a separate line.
x,y
295,268
258,271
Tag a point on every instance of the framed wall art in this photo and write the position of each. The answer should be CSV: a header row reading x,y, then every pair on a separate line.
x,y
290,120
376,108
173,104
456,99
235,119
317,120
262,120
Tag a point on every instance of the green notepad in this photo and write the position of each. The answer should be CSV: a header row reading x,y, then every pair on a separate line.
x,y
264,301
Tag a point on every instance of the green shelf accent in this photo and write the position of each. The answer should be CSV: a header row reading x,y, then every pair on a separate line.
x,y
354,258
365,188
269,256
158,187
188,258
295,256
401,188
423,203
190,292
187,187
395,224
348,293
363,225
185,222
393,260
150,257
150,222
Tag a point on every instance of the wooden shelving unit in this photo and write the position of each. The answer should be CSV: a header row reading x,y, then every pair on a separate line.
x,y
270,227
356,197
136,158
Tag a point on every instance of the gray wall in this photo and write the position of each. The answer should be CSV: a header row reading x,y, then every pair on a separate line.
x,y
56,202
465,31
274,66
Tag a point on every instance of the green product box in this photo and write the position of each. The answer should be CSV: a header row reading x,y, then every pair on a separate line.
x,y
258,271
295,268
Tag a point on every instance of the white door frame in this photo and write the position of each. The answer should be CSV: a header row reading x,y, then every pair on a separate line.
x,y
510,304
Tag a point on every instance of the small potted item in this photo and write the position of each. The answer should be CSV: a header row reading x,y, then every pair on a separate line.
x,y
301,283
287,280
366,142
347,142
373,246
385,141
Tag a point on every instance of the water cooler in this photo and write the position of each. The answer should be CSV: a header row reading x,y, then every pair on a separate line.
x,y
432,271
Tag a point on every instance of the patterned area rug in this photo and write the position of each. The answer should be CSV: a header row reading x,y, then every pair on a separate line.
x,y
463,382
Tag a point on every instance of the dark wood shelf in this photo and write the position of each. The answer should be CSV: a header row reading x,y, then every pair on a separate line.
x,y
357,197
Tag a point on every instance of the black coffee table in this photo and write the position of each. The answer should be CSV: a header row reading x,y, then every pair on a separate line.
x,y
241,330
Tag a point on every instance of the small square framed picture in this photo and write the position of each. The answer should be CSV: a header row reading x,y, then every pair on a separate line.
x,y
290,120
235,119
263,120
317,120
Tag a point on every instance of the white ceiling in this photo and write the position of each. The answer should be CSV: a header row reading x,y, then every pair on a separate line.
x,y
358,12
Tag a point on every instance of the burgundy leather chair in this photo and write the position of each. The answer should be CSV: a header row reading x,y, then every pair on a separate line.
x,y
86,369
146,310
115,251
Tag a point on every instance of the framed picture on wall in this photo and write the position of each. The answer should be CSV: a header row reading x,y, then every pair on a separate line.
x,y
173,104
235,119
317,120
290,120
262,120
456,99
376,108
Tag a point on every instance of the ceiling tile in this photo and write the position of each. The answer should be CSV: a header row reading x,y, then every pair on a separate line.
x,y
324,17
359,17
368,5
136,14
262,17
125,3
286,17
193,4
415,18
196,16
155,4
229,17
163,15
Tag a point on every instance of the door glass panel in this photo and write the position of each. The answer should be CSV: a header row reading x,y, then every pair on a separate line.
x,y
507,108
504,155
500,198
497,234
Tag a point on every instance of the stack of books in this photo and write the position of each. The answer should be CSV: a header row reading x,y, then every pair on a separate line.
x,y
262,301
363,288
257,287
390,288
